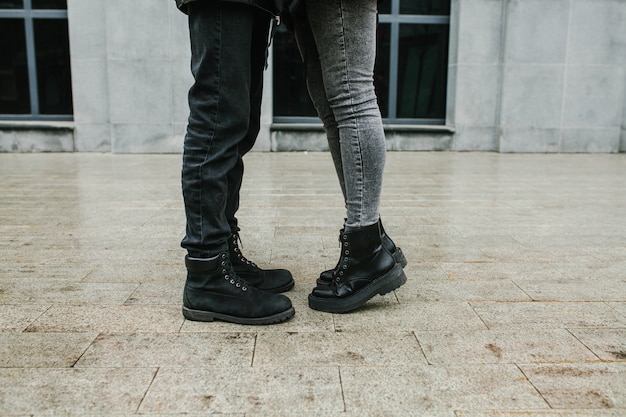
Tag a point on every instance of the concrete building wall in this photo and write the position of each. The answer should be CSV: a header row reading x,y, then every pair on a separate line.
x,y
524,76
130,75
538,76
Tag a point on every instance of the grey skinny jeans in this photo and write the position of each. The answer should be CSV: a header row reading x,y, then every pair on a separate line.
x,y
338,46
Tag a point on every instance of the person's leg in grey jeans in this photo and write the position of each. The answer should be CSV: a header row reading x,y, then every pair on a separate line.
x,y
338,44
340,65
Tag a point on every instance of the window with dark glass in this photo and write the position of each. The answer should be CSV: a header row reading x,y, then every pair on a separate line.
x,y
35,78
411,69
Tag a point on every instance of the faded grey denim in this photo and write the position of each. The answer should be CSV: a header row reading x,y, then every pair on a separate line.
x,y
338,46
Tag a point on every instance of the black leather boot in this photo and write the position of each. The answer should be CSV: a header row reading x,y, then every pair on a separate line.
x,y
214,291
271,280
366,268
326,277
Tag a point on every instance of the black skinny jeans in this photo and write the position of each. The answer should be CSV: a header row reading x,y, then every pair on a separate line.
x,y
228,50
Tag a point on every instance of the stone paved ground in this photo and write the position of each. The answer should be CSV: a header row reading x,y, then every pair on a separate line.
x,y
515,304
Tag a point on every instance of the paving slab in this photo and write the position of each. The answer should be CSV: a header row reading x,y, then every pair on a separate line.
x,y
42,350
607,344
17,317
109,319
514,304
410,317
261,389
313,413
503,346
337,349
580,385
425,388
535,413
72,391
419,290
572,289
156,292
33,291
41,270
548,314
138,271
483,271
145,350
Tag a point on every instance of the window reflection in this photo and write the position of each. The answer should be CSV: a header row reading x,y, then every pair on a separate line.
x,y
291,98
14,91
49,4
53,66
422,71
425,7
381,69
11,4
417,7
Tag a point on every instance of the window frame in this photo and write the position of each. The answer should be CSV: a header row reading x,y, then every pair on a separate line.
x,y
27,14
394,19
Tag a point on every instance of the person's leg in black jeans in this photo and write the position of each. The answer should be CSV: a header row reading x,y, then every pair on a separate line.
x,y
273,280
226,41
257,65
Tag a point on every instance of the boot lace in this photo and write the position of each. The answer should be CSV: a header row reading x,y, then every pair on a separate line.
x,y
343,261
230,276
236,240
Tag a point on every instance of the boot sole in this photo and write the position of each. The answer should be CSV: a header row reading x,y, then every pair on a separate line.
x,y
200,315
386,283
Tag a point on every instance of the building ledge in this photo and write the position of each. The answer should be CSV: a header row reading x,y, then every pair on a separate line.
x,y
36,125
317,127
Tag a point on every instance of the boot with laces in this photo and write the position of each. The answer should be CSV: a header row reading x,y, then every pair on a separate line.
x,y
365,269
326,277
213,291
271,280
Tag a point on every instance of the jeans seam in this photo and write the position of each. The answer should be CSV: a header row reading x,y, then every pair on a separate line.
x,y
211,139
355,127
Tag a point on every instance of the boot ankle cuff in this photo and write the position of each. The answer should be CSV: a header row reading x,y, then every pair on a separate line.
x,y
203,264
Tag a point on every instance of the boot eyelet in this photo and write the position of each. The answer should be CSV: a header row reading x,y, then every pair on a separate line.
x,y
244,288
226,277
238,285
232,281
